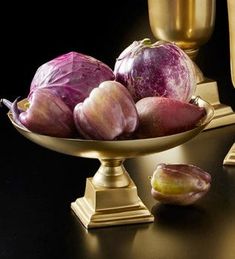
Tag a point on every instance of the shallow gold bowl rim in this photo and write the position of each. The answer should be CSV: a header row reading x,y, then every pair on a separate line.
x,y
106,149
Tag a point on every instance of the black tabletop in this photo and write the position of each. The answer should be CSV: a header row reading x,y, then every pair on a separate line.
x,y
38,185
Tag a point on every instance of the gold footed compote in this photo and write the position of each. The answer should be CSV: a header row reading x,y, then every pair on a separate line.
x,y
111,196
190,24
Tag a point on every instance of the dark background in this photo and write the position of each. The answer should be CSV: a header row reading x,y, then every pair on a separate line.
x,y
36,184
41,32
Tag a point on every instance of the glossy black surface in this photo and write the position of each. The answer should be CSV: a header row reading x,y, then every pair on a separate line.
x,y
38,185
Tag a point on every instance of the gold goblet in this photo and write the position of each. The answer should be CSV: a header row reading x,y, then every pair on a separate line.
x,y
111,196
189,24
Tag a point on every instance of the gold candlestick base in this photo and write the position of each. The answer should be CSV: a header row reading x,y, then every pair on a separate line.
x,y
223,114
102,207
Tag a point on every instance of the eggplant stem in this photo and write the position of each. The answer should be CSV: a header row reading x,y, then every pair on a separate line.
x,y
13,107
6,102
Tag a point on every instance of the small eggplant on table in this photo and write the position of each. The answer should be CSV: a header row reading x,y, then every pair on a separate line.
x,y
179,184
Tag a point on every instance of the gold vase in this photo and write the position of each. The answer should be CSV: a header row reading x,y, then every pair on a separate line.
x,y
190,24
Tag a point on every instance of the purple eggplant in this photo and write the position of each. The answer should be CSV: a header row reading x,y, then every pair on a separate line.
x,y
158,69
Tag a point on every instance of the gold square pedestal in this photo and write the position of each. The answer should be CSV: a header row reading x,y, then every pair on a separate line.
x,y
223,114
102,206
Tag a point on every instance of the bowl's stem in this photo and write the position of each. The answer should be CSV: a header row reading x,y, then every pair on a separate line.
x,y
111,174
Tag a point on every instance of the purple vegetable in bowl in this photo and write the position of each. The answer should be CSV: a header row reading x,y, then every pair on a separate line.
x,y
47,114
107,114
71,76
158,69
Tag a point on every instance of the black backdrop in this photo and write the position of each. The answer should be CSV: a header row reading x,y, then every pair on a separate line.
x,y
38,32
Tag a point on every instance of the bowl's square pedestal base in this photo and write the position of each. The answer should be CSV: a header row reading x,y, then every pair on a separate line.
x,y
223,114
101,207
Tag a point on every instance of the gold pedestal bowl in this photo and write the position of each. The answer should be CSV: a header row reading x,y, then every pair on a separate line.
x,y
111,196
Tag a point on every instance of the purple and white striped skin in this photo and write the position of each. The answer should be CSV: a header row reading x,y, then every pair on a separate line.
x,y
179,184
158,69
71,76
109,112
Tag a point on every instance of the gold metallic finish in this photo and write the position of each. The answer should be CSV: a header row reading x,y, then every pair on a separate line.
x,y
230,157
111,196
102,207
188,23
111,174
231,16
223,114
